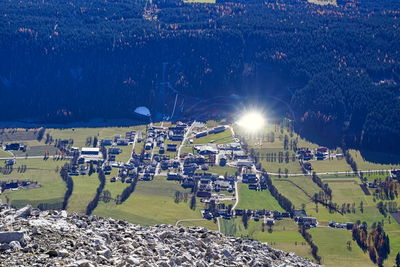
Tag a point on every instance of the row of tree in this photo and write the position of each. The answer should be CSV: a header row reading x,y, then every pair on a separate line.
x,y
95,201
375,241
69,182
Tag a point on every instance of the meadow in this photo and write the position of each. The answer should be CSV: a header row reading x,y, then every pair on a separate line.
x,y
153,202
46,173
252,199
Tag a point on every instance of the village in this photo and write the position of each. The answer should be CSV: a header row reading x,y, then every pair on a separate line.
x,y
232,181
162,154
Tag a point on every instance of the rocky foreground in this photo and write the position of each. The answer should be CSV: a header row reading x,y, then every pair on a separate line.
x,y
29,237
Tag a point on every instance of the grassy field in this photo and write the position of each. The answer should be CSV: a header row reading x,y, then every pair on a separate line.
x,y
300,198
125,155
252,199
11,135
219,138
187,149
4,154
153,203
84,190
79,135
333,248
330,165
284,234
376,161
221,170
46,173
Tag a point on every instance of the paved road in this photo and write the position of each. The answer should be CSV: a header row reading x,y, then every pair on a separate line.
x,y
326,173
133,146
185,138
236,195
35,157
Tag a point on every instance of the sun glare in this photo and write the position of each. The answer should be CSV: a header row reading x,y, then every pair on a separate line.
x,y
252,121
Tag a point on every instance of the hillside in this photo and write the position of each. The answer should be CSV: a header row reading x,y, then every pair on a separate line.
x,y
54,238
336,65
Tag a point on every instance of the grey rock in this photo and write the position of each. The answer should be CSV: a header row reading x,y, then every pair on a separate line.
x,y
7,237
23,212
15,245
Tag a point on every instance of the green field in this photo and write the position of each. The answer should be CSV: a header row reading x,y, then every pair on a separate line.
x,y
378,161
79,135
4,154
332,245
330,165
84,190
252,199
46,173
284,234
219,138
153,203
221,170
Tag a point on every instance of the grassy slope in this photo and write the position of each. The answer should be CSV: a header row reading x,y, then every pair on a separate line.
x,y
333,248
284,234
44,172
153,203
332,165
251,199
219,138
4,154
84,190
363,164
80,134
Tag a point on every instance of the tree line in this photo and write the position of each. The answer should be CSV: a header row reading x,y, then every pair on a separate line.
x,y
95,201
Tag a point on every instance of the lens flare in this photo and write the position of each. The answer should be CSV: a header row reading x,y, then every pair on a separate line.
x,y
252,121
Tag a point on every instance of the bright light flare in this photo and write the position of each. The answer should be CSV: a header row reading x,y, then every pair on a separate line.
x,y
252,121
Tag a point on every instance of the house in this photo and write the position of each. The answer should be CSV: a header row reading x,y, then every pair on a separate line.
x,y
253,187
216,130
307,166
311,221
122,142
195,159
148,145
269,222
10,162
240,155
90,151
114,150
239,212
172,176
204,167
249,178
299,213
116,137
201,134
162,149
206,150
190,168
106,142
203,194
12,146
171,147
222,161
244,163
222,184
188,183
176,137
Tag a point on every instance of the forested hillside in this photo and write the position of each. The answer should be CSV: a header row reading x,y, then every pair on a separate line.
x,y
79,59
